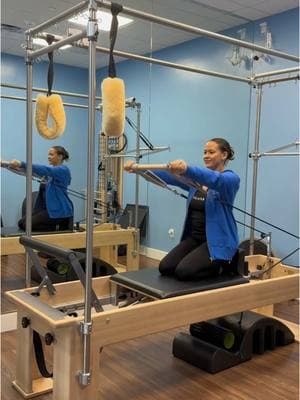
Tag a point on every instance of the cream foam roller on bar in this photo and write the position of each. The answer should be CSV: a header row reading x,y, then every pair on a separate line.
x,y
113,88
113,106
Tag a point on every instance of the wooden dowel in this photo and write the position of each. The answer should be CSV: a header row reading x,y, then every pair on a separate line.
x,y
143,167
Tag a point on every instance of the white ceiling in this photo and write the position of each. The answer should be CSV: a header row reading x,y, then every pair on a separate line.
x,y
139,37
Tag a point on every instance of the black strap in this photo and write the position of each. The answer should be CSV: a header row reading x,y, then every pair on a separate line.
x,y
115,9
50,39
39,356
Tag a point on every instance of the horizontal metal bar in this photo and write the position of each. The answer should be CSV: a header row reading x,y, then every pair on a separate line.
x,y
58,18
45,50
60,92
276,72
277,80
156,61
130,102
287,146
154,150
74,307
5,96
279,154
169,64
143,152
198,31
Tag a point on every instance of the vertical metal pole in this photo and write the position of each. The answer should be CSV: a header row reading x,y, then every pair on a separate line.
x,y
137,160
255,164
269,244
28,155
86,326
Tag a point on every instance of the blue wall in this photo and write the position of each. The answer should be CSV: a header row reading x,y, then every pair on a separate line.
x,y
13,128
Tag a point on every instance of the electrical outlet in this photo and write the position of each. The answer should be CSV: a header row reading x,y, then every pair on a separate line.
x,y
171,233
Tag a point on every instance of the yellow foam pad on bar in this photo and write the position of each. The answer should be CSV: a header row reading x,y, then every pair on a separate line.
x,y
113,106
50,106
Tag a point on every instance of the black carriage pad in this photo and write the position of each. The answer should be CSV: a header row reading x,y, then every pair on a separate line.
x,y
150,282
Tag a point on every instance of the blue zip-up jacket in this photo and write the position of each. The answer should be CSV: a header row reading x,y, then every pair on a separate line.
x,y
58,179
221,229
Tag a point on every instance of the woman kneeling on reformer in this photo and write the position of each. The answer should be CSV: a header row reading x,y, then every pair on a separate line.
x,y
52,209
209,243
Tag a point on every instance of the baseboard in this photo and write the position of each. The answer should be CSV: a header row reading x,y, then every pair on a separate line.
x,y
8,322
152,253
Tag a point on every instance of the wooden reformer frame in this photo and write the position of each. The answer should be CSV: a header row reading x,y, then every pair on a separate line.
x,y
106,239
120,324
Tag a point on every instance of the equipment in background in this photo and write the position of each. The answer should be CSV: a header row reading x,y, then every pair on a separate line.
x,y
260,247
222,343
127,219
110,178
112,201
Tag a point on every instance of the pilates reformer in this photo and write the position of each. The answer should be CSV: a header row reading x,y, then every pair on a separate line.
x,y
155,304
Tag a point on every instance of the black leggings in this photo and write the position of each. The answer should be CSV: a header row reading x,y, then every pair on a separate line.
x,y
42,222
190,259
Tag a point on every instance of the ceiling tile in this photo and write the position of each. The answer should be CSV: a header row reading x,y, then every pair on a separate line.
x,y
225,5
232,20
250,13
275,6
248,3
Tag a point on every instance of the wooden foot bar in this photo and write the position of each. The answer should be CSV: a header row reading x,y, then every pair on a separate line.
x,y
121,324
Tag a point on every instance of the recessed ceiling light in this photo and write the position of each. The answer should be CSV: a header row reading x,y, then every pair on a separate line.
x,y
104,20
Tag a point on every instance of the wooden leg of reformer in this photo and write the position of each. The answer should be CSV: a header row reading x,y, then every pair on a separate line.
x,y
108,254
68,362
28,382
265,310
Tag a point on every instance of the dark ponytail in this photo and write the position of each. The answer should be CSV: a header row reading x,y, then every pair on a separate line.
x,y
62,152
224,146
